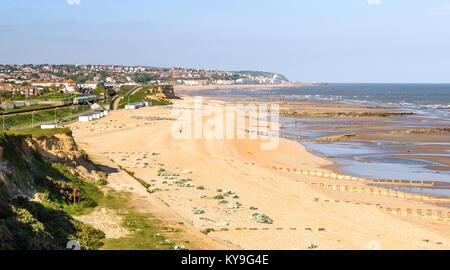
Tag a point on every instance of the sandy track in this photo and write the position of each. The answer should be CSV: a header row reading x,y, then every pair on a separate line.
x,y
240,166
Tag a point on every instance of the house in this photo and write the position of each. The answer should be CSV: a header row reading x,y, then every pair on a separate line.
x,y
31,91
89,84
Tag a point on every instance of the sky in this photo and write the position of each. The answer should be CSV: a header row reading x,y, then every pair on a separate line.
x,y
373,41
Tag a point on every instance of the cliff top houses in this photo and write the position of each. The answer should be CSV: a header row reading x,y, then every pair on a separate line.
x,y
71,77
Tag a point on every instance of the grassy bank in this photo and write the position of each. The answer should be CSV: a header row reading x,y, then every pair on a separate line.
x,y
39,133
145,231
53,96
142,95
27,108
42,116
47,223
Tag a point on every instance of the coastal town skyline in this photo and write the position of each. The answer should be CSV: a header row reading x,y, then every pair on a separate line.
x,y
355,41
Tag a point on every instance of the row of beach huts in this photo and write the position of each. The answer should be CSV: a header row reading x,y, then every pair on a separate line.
x,y
137,105
93,116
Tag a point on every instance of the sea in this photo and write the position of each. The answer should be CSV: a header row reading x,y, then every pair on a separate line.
x,y
372,160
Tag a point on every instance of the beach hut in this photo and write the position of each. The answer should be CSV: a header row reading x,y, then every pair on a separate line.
x,y
105,112
84,118
49,126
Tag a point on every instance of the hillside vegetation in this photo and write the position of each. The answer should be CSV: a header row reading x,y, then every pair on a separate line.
x,y
45,223
145,93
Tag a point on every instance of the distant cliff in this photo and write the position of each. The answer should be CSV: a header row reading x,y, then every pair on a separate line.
x,y
166,90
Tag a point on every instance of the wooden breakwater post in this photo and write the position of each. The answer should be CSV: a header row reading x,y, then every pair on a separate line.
x,y
419,212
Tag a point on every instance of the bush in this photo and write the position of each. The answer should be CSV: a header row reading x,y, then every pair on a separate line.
x,y
261,218
102,182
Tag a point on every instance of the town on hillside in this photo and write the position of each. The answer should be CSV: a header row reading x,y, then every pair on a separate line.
x,y
34,80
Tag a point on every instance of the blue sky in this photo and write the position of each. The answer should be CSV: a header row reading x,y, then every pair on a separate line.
x,y
307,40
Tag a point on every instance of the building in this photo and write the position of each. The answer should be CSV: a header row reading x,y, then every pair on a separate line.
x,y
67,85
31,91
89,84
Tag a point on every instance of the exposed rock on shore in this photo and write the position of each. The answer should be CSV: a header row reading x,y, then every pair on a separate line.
x,y
309,114
335,138
424,130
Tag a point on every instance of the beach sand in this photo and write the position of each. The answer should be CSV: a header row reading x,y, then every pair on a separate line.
x,y
339,220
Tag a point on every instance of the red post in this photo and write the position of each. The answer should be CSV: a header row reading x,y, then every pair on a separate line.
x,y
74,195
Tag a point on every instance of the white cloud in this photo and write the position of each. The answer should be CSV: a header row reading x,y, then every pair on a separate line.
x,y
374,2
74,2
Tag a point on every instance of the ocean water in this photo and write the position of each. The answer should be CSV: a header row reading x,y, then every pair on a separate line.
x,y
379,160
429,99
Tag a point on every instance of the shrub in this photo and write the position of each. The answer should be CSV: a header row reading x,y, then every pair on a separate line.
x,y
102,182
234,205
261,218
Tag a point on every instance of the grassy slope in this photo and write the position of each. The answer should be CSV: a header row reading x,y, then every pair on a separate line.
x,y
144,229
53,96
38,133
141,96
42,116
44,225
49,224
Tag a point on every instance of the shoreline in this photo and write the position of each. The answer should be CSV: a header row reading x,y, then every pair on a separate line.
x,y
352,134
241,167
184,88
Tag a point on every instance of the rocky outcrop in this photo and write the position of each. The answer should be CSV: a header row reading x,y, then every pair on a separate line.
x,y
166,90
335,138
424,130
309,114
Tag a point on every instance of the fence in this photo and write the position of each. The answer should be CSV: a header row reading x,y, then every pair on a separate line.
x,y
37,124
430,214
372,181
383,192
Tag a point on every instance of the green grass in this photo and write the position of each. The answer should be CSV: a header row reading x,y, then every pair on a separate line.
x,y
53,96
39,133
125,89
27,108
143,228
142,95
42,116
48,224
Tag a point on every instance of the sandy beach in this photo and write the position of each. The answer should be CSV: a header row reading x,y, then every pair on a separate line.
x,y
215,186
